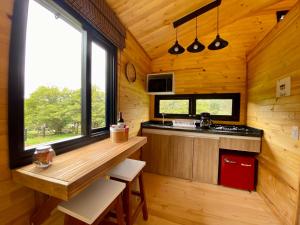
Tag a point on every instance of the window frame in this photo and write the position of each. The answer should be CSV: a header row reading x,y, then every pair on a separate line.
x,y
17,153
235,97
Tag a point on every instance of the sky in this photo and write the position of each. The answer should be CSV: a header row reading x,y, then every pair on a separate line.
x,y
53,53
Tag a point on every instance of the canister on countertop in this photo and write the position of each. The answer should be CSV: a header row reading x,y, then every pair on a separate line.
x,y
43,156
119,133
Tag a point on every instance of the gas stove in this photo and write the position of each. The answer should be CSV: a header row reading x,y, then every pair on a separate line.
x,y
230,128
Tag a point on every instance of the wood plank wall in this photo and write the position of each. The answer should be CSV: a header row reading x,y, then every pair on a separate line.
x,y
17,203
276,57
208,73
133,100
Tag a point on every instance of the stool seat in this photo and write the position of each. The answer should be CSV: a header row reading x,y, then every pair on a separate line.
x,y
93,201
127,170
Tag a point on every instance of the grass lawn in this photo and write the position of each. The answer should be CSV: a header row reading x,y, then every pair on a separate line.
x,y
46,139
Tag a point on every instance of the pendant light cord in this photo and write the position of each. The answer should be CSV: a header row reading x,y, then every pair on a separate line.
x,y
196,27
176,34
218,20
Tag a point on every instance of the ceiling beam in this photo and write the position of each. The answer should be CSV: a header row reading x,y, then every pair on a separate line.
x,y
197,13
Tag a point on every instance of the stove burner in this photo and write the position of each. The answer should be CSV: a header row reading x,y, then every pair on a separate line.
x,y
231,128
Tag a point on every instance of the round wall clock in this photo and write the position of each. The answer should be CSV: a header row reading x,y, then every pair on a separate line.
x,y
130,72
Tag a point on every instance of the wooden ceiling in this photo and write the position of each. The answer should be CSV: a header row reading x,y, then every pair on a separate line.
x,y
243,22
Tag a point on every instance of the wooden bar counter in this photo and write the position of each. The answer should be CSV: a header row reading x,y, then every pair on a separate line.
x,y
73,171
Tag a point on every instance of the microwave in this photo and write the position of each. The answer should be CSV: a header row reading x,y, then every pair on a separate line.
x,y
160,83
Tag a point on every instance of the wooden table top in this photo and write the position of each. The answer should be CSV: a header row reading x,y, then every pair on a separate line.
x,y
73,171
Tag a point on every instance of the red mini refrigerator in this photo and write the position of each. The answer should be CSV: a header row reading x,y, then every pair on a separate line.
x,y
238,171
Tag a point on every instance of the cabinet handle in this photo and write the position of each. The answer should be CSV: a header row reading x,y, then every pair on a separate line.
x,y
229,161
246,165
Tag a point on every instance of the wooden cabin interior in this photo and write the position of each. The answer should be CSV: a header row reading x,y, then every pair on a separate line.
x,y
64,93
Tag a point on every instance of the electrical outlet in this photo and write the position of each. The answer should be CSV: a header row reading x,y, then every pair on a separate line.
x,y
295,132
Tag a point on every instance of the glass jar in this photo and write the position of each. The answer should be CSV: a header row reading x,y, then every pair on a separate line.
x,y
43,156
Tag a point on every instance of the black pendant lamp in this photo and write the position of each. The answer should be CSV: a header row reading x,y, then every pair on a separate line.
x,y
218,43
196,46
176,49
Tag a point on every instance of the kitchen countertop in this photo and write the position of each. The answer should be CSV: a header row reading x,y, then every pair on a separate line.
x,y
247,131
74,171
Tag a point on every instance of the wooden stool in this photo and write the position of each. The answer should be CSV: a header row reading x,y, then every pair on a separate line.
x,y
94,203
128,171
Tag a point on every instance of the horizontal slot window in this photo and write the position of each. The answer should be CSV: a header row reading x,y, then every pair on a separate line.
x,y
214,106
174,106
222,107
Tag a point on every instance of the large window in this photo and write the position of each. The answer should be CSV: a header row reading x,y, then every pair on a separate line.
x,y
220,106
62,82
52,81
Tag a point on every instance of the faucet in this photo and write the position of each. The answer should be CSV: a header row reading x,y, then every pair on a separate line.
x,y
163,115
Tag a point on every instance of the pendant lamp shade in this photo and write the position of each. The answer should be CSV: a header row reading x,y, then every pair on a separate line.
x,y
176,49
196,46
218,43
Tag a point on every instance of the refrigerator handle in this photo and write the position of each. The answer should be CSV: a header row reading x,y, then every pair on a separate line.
x,y
229,161
246,165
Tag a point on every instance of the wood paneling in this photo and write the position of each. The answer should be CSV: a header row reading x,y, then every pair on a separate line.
x,y
210,75
151,21
133,99
206,160
247,145
277,56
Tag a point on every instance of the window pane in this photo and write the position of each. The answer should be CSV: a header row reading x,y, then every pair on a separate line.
x,y
99,57
214,106
52,78
174,106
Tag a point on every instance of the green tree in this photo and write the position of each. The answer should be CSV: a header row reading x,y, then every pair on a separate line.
x,y
58,111
73,105
47,107
98,107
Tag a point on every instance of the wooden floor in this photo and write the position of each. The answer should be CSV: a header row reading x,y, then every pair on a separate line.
x,y
173,201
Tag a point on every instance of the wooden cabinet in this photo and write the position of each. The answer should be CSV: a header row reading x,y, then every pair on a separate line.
x,y
155,153
248,144
190,155
168,155
180,157
206,160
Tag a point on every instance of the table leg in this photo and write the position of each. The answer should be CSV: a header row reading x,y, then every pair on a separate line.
x,y
45,205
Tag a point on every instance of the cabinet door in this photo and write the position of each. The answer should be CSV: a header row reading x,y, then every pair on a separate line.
x,y
155,153
180,157
206,160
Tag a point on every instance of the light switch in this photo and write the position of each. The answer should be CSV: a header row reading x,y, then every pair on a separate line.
x,y
283,87
295,132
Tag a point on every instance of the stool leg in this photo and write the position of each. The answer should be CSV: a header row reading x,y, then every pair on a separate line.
x,y
69,220
143,196
128,203
119,211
